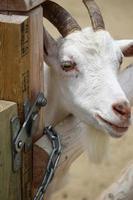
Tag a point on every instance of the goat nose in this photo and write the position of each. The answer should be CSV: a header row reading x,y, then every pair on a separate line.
x,y
122,109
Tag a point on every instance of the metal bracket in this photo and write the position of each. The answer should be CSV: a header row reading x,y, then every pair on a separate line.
x,y
22,136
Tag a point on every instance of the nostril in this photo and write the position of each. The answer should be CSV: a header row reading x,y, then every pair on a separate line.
x,y
122,109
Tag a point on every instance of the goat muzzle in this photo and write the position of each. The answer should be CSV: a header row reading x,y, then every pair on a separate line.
x,y
122,110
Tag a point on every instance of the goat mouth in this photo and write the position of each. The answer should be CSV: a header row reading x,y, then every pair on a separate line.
x,y
118,130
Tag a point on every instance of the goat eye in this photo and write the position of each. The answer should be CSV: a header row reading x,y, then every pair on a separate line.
x,y
68,66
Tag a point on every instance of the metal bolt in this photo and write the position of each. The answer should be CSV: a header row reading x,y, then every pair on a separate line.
x,y
20,143
41,100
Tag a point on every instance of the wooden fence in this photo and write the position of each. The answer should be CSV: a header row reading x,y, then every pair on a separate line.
x,y
21,79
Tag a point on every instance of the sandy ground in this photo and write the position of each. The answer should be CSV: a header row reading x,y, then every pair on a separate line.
x,y
87,180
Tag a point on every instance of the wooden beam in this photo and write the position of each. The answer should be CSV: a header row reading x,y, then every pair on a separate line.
x,y
19,5
3,5
10,187
71,149
14,59
36,82
21,71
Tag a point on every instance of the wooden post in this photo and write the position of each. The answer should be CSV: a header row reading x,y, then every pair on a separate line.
x,y
9,182
21,66
19,5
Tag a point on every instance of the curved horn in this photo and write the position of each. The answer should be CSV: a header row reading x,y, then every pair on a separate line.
x,y
60,18
95,15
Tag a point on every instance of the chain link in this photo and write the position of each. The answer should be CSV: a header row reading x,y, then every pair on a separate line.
x,y
53,162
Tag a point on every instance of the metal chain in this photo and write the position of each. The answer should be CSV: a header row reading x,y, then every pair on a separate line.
x,y
53,162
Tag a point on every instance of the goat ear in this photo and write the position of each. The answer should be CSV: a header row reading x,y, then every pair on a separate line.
x,y
126,81
126,47
49,46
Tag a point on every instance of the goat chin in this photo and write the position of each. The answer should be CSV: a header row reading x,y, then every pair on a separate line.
x,y
96,144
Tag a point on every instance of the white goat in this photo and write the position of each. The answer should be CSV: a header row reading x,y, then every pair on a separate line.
x,y
84,77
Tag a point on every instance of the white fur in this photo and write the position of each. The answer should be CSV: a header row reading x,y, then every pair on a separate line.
x,y
126,82
88,91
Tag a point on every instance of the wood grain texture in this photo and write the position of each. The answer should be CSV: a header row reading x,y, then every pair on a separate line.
x,y
19,5
40,162
36,60
14,65
3,4
15,62
36,84
10,187
71,149
21,71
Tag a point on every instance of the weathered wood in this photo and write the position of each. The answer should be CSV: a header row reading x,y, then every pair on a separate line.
x,y
21,57
40,165
36,85
21,71
14,60
36,60
122,188
10,187
19,5
3,5
71,149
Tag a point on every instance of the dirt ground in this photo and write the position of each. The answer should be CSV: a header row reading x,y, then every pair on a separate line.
x,y
86,180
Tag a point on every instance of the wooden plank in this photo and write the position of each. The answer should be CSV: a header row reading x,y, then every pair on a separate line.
x,y
69,131
19,5
3,4
36,84
36,61
14,59
10,187
21,71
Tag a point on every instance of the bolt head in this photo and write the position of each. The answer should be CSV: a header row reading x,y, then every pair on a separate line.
x,y
41,100
20,143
